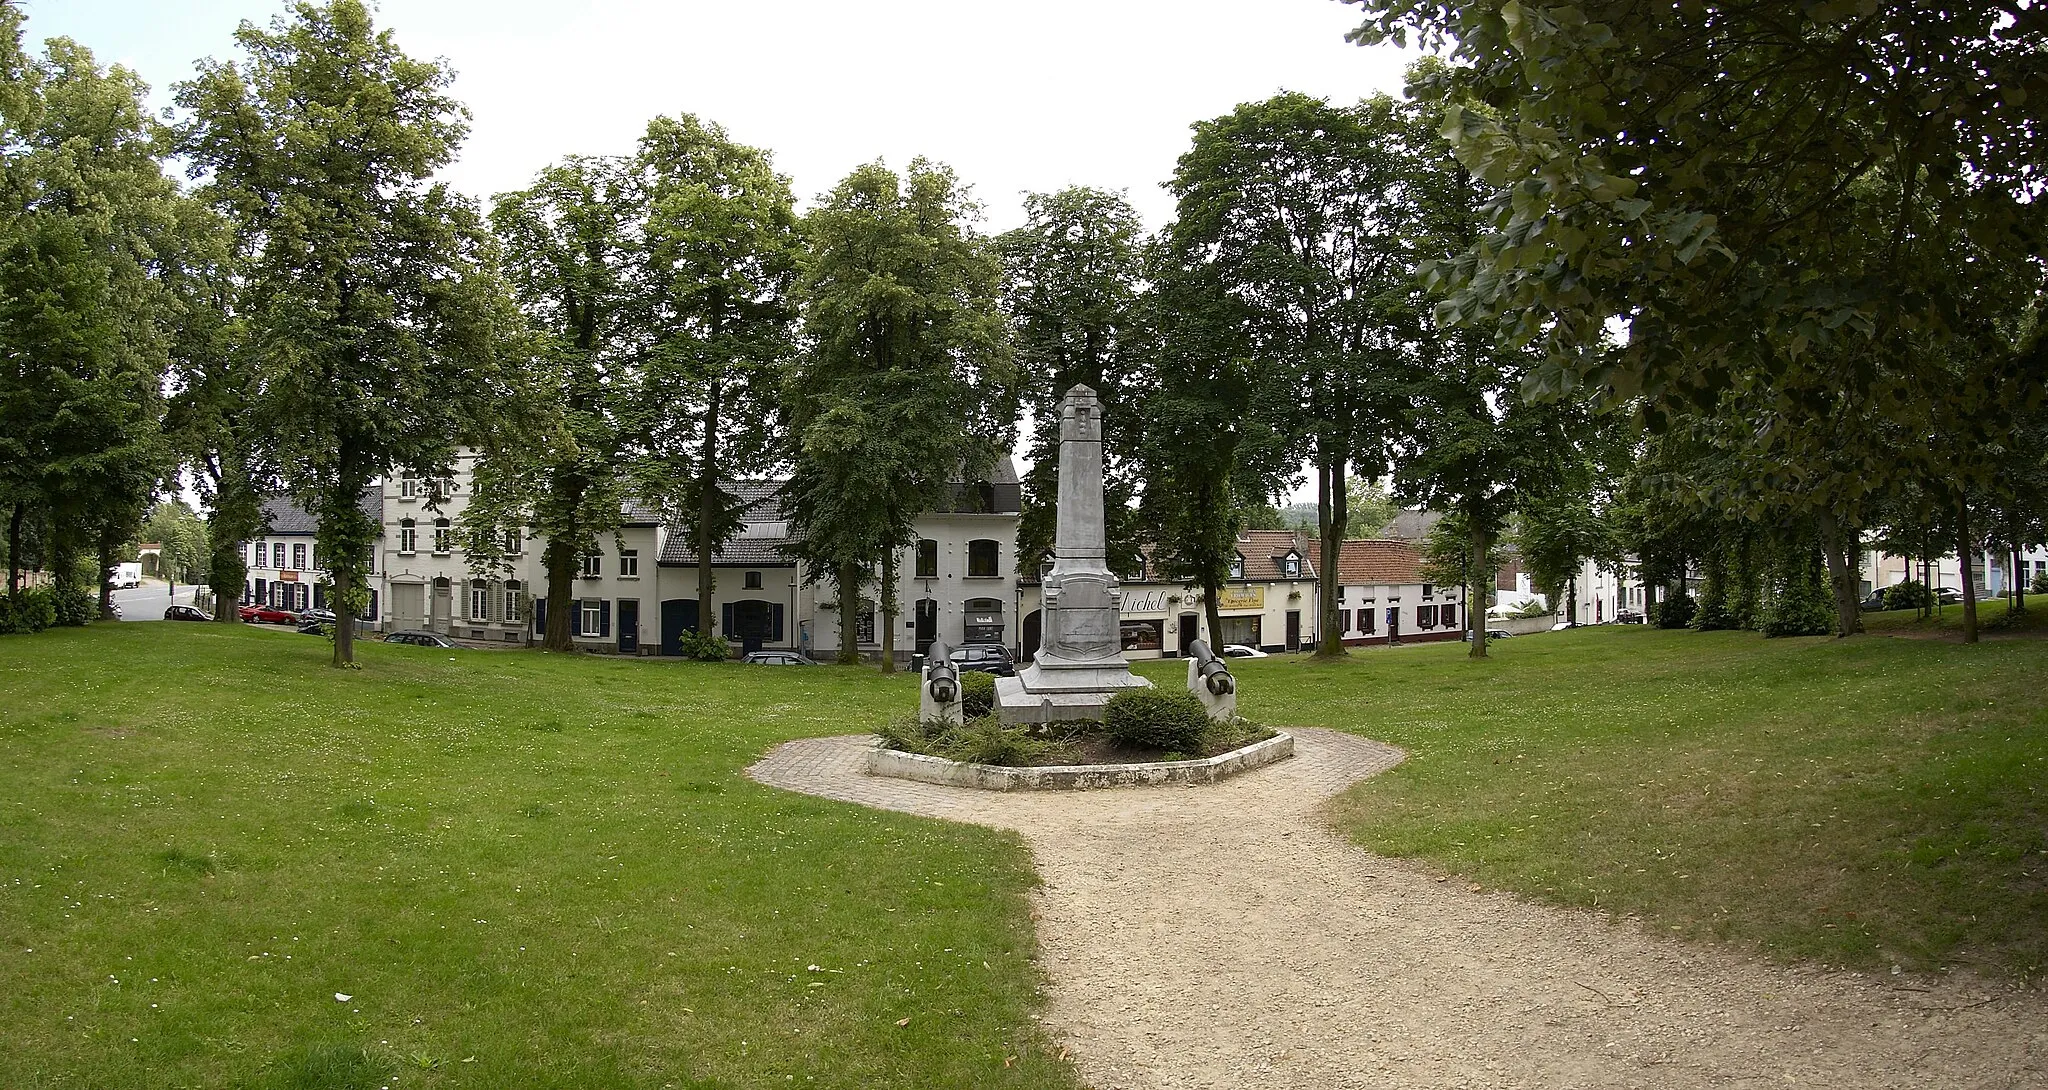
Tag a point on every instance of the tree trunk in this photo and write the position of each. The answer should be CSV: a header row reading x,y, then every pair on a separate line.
x,y
1332,521
1571,601
1213,613
849,614
560,560
110,551
224,574
1649,596
707,509
887,605
1841,579
1475,570
1927,584
14,548
2019,582
1963,566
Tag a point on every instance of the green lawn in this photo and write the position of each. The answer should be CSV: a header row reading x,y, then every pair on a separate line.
x,y
1872,802
524,870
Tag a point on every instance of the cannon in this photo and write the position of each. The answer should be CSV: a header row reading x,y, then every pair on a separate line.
x,y
939,691
1209,679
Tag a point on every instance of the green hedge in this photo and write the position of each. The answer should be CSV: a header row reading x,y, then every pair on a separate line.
x,y
1911,594
977,694
32,610
1172,720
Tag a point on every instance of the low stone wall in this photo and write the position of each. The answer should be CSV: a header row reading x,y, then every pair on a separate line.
x,y
916,766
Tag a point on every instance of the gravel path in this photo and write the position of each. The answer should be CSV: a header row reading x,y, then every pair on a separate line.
x,y
1225,937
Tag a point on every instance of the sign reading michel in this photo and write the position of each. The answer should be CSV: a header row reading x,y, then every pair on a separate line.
x,y
1080,661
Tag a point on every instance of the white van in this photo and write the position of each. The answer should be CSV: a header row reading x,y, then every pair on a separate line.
x,y
126,575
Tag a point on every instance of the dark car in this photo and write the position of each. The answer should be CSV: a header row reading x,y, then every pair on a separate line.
x,y
418,638
1491,634
268,615
777,658
1628,616
984,658
184,613
325,616
1872,604
315,628
1949,596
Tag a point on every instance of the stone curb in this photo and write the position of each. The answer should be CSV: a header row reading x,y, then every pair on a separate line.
x,y
917,766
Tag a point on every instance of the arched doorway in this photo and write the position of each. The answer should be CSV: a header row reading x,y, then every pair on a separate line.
x,y
1032,623
1190,630
925,616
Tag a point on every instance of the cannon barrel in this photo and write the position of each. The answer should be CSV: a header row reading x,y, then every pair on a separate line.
x,y
941,677
1215,673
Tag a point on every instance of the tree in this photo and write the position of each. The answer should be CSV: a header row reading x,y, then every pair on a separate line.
x,y
552,468
1071,291
83,311
717,267
1369,508
371,309
1298,208
181,536
907,383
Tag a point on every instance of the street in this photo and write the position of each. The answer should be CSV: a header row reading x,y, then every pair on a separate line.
x,y
148,601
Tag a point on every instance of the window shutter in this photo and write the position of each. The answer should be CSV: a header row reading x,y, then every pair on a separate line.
x,y
775,630
725,620
604,618
540,616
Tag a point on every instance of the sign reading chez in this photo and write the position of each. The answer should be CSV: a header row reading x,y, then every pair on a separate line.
x,y
1241,598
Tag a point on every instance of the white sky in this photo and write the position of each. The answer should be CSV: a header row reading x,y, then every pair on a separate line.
x,y
1014,97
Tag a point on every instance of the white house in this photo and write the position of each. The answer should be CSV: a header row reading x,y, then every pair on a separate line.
x,y
1382,598
285,569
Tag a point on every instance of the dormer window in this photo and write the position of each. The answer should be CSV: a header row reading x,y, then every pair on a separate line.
x,y
1290,565
1237,566
1137,572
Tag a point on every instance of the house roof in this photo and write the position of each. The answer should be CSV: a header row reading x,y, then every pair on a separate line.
x,y
764,531
283,518
1412,525
1262,550
1379,563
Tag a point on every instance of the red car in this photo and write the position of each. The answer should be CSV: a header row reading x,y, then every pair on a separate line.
x,y
267,615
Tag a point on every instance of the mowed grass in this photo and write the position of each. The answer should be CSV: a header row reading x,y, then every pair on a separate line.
x,y
1870,802
521,870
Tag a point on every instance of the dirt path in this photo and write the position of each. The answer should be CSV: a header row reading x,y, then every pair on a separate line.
x,y
1225,937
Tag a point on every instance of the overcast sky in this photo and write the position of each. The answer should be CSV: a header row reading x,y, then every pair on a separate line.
x,y
1015,97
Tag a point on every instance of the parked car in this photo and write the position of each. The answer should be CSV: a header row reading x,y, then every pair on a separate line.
x,y
1628,616
1242,651
267,615
323,615
1949,596
778,658
1562,625
986,658
316,628
419,638
184,613
1872,604
1491,634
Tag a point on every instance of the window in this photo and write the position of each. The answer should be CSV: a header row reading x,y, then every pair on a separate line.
x,y
752,580
983,559
1425,616
984,497
1137,572
512,542
479,600
1237,567
441,537
256,554
864,625
312,561
592,615
1449,616
408,488
593,565
1428,589
927,559
1366,619
1343,620
512,614
277,556
629,563
408,537
299,557
981,620
1290,566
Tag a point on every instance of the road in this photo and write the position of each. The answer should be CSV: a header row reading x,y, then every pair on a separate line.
x,y
148,601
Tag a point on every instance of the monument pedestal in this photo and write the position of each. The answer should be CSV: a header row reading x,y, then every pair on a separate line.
x,y
1017,701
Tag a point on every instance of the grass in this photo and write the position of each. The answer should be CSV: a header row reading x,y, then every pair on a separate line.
x,y
1869,802
522,870
1947,622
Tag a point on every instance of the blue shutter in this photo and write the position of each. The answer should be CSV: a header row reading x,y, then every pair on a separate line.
x,y
604,618
540,616
775,631
725,620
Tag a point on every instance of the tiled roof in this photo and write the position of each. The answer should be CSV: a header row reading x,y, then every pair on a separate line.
x,y
1379,563
282,517
1411,525
1262,550
761,540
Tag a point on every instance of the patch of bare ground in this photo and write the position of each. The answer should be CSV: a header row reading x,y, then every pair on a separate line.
x,y
1225,936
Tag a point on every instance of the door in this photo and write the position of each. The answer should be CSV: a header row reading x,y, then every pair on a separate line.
x,y
629,626
408,605
1034,625
1294,630
1190,631
926,624
443,604
678,615
755,623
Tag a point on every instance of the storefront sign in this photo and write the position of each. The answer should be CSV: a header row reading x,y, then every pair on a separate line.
x,y
1241,598
287,577
1144,601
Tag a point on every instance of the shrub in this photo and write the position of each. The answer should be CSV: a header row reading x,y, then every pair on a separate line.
x,y
32,610
1160,718
987,741
1911,594
1675,611
2040,583
703,648
1229,734
74,606
977,694
1800,603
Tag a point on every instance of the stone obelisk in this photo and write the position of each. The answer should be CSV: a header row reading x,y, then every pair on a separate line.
x,y
1080,661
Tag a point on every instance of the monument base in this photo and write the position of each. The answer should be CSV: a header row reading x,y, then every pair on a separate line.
x,y
1018,704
